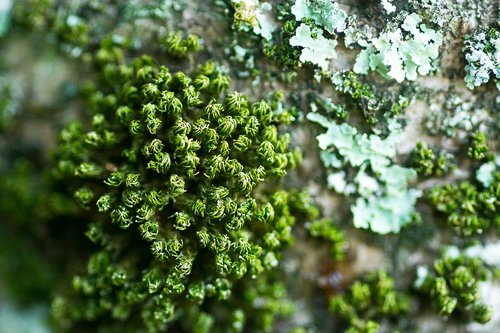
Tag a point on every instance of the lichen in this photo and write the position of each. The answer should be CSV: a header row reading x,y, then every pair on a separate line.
x,y
254,15
385,203
482,53
325,14
316,50
403,53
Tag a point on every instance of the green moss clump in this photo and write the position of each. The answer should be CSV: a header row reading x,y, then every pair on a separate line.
x,y
479,149
180,47
426,163
453,286
181,186
469,210
368,301
327,230
363,97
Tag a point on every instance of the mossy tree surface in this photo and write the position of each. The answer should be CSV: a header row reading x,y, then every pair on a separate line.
x,y
173,168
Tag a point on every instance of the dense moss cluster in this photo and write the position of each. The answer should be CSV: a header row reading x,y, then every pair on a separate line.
x,y
369,300
472,208
454,287
468,210
327,230
426,163
168,194
173,174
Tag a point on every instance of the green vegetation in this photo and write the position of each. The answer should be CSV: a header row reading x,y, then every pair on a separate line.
x,y
369,300
425,162
327,230
180,179
177,200
453,286
468,210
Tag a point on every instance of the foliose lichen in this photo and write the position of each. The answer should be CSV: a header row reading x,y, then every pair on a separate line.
x,y
482,53
385,203
403,53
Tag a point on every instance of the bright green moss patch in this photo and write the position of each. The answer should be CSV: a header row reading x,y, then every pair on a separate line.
x,y
426,163
453,286
469,210
181,179
327,230
369,300
472,209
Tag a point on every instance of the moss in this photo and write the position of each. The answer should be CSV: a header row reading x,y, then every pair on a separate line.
x,y
427,163
468,209
181,179
471,209
479,148
453,286
176,46
368,301
327,230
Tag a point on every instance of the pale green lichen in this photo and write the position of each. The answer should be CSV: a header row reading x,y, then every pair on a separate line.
x,y
486,173
385,203
388,6
316,50
325,14
458,115
403,53
482,53
254,15
4,16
